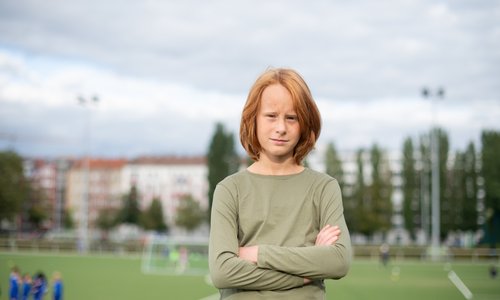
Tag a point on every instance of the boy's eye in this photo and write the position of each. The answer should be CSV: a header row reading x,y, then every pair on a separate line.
x,y
292,118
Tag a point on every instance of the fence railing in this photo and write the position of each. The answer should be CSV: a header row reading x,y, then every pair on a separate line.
x,y
137,247
423,252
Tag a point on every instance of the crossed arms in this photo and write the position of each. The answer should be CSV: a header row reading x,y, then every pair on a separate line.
x,y
272,267
326,237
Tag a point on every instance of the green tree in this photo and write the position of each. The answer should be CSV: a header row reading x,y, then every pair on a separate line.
x,y
425,182
410,189
189,213
445,199
490,170
334,168
471,172
380,190
130,212
36,215
360,220
334,164
68,220
106,220
153,217
14,188
446,202
464,177
222,159
457,182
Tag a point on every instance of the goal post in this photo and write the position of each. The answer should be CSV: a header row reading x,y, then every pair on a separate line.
x,y
175,256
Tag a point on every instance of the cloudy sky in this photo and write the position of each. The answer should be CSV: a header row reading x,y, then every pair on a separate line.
x,y
165,72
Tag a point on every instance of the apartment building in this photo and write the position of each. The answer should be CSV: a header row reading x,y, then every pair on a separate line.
x,y
104,187
48,179
167,178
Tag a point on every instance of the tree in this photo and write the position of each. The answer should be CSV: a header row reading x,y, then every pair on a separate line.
x,y
222,159
189,213
464,177
490,169
425,182
334,168
14,188
360,219
106,220
380,190
445,199
471,172
446,202
409,176
334,164
153,217
37,208
457,182
68,220
130,212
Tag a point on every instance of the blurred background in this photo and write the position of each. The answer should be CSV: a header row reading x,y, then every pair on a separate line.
x,y
117,119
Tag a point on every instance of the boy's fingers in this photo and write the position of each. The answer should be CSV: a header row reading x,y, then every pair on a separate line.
x,y
328,235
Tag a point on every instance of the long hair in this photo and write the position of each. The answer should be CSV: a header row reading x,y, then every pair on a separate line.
x,y
307,112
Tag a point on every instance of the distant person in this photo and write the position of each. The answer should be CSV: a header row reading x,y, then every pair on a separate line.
x,y
39,286
277,227
27,285
57,291
384,254
493,271
183,262
14,282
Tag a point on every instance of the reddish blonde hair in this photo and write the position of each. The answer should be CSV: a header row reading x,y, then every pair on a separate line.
x,y
307,112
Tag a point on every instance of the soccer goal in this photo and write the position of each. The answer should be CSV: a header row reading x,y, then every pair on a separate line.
x,y
175,256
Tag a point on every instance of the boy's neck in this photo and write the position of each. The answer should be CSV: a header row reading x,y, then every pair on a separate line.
x,y
265,167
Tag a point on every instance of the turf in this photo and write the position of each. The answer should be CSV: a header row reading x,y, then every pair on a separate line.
x,y
120,277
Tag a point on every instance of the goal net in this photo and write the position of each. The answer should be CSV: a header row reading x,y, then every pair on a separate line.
x,y
178,256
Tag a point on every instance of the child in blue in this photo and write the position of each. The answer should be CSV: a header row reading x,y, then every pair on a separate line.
x,y
57,287
14,281
26,291
39,286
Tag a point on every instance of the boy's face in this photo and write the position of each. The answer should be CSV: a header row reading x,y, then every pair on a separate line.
x,y
278,129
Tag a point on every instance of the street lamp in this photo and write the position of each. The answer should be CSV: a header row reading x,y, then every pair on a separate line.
x,y
84,224
436,222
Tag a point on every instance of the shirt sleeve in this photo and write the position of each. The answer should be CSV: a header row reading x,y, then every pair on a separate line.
x,y
227,270
315,262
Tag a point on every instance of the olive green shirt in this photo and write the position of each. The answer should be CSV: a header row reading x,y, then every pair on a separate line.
x,y
282,215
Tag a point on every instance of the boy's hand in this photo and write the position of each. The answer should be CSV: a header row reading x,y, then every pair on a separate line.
x,y
328,235
249,253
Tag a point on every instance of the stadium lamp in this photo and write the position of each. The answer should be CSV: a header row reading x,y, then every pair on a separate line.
x,y
435,193
84,221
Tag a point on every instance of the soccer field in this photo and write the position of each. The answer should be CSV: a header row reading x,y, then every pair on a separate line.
x,y
120,277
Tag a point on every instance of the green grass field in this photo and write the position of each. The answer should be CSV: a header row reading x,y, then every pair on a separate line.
x,y
120,277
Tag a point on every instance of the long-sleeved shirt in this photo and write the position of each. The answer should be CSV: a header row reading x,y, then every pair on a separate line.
x,y
14,287
282,215
58,290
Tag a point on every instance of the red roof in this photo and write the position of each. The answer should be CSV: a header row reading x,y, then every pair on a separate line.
x,y
170,160
96,163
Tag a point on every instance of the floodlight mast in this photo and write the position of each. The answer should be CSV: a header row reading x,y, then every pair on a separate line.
x,y
84,244
435,184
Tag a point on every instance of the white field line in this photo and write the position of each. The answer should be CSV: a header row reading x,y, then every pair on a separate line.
x,y
460,285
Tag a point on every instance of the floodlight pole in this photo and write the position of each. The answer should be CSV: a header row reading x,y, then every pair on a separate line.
x,y
435,189
424,192
84,223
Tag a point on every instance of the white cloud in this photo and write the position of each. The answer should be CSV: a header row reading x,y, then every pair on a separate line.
x,y
165,71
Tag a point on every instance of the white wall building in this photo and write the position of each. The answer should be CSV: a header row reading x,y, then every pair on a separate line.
x,y
168,179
